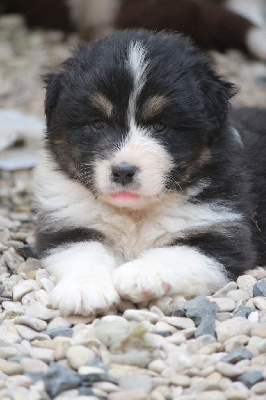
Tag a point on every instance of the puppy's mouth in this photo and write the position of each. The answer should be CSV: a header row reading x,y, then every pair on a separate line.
x,y
125,197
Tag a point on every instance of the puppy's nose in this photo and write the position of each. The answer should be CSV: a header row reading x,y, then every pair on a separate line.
x,y
123,173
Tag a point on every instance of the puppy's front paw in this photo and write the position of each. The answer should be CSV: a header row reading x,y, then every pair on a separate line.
x,y
141,280
86,296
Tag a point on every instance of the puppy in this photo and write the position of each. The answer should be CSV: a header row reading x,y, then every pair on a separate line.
x,y
147,184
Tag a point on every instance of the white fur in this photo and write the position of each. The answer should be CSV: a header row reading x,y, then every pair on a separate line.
x,y
84,281
175,270
256,42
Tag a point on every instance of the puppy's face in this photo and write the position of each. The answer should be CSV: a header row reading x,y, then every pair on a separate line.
x,y
131,117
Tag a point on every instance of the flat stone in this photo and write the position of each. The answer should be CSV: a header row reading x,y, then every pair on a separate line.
x,y
139,358
164,327
33,322
60,331
107,387
250,378
61,346
233,327
8,352
46,355
259,289
59,379
59,322
19,380
33,365
30,334
140,315
133,381
259,330
10,367
180,379
179,322
229,370
12,258
9,334
243,311
259,388
241,353
260,302
239,294
197,308
86,370
246,282
235,342
79,356
42,297
40,311
225,304
227,288
206,327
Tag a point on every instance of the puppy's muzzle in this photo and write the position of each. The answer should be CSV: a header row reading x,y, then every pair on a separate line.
x,y
123,173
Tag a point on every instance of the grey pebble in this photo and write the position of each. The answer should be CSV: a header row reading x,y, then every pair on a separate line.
x,y
2,289
59,378
250,378
239,354
206,327
197,308
243,311
60,331
259,289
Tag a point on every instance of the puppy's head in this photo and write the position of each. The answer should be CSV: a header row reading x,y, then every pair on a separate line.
x,y
131,117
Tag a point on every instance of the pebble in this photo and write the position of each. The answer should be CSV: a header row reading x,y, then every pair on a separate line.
x,y
10,367
60,331
229,370
134,394
211,395
206,327
33,365
259,330
235,342
59,322
246,282
157,366
227,288
42,297
253,316
243,311
40,311
132,381
78,356
140,315
260,302
259,388
259,289
33,322
250,378
233,394
164,327
8,352
262,346
199,307
239,294
233,327
241,353
46,284
59,379
179,322
225,304
30,334
46,355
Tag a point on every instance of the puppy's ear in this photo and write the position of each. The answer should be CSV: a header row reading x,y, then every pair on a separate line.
x,y
53,87
216,92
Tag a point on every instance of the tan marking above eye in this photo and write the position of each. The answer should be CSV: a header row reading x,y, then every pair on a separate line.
x,y
153,106
102,103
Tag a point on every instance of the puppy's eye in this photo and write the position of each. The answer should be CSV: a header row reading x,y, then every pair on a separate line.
x,y
159,127
97,124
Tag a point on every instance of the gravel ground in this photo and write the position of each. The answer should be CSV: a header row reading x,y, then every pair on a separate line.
x,y
208,348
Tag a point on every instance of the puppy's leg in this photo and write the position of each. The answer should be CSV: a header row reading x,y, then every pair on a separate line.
x,y
83,270
172,270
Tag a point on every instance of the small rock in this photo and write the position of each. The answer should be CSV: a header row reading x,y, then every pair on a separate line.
x,y
250,378
140,315
42,297
179,322
59,322
164,327
31,264
227,288
32,365
225,304
199,307
134,394
233,327
132,381
206,327
29,334
246,282
211,395
10,367
262,346
235,342
259,289
260,302
12,258
179,379
60,331
157,366
254,316
79,356
40,311
233,394
139,358
243,311
239,294
259,388
241,353
59,379
229,370
33,322
8,352
107,387
259,330
87,370
47,284
46,355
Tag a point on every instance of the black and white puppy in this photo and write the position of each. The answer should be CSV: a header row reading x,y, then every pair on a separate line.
x,y
146,186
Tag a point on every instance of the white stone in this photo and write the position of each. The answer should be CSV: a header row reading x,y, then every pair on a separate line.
x,y
42,297
29,334
157,365
229,370
33,365
239,294
40,311
33,322
8,351
223,292
29,299
47,284
132,381
163,326
233,327
106,386
10,367
79,356
246,282
253,316
140,315
225,304
235,342
179,322
9,334
260,302
86,370
24,287
40,274
58,322
45,355
14,307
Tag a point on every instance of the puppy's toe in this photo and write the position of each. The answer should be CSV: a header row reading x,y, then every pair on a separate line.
x,y
140,280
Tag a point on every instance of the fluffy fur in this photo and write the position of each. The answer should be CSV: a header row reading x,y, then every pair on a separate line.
x,y
147,184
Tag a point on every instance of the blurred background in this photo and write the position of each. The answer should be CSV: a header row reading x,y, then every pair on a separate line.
x,y
35,36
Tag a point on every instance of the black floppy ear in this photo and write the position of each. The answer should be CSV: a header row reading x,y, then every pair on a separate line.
x,y
217,93
53,87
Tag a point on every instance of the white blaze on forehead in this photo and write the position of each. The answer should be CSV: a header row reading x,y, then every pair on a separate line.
x,y
137,65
